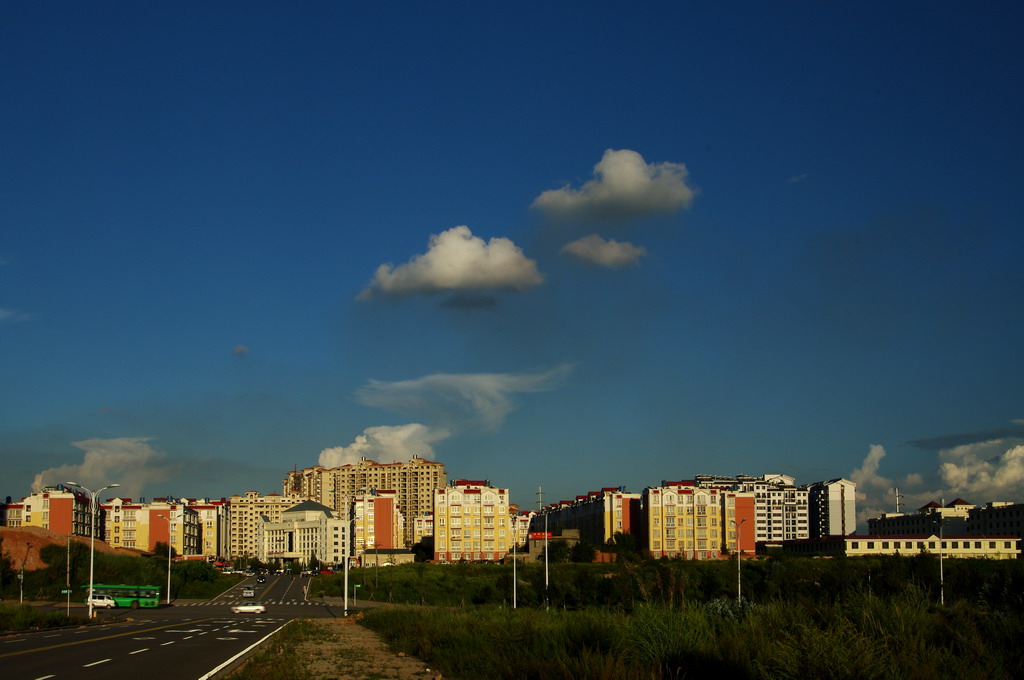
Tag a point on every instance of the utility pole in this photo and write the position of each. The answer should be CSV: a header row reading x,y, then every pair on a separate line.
x,y
540,508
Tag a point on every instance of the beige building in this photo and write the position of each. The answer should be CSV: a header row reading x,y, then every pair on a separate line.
x,y
305,531
413,482
244,516
682,519
953,546
596,516
471,522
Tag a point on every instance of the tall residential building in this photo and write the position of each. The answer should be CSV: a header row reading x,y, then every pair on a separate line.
x,y
175,521
377,523
57,508
781,510
244,514
422,527
832,508
597,516
471,522
126,524
302,532
952,518
682,519
213,525
413,482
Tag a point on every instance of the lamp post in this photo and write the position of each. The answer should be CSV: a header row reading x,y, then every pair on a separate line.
x,y
942,581
168,559
92,532
739,590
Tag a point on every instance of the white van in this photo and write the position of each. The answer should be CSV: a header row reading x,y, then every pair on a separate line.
x,y
101,601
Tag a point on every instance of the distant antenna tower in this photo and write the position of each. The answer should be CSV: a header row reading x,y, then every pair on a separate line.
x,y
898,495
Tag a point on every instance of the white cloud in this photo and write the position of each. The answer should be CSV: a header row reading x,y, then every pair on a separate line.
x,y
611,253
985,471
386,444
872,488
457,261
240,350
128,461
624,187
14,316
484,399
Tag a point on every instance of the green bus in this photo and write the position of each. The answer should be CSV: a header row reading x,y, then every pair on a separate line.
x,y
128,596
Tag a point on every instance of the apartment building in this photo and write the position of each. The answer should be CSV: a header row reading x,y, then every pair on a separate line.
x,y
832,508
213,525
413,482
597,515
781,508
244,515
126,524
683,519
520,522
57,508
471,522
422,527
377,523
929,519
304,531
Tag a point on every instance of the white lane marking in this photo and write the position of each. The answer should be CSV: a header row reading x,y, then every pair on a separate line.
x,y
242,653
188,637
45,677
139,651
146,637
7,642
95,663
227,638
164,644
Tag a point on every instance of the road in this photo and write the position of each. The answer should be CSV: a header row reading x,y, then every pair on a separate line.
x,y
188,639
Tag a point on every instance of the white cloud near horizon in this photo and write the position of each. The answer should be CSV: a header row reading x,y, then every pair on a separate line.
x,y
624,187
457,261
610,253
14,316
128,461
386,444
978,473
482,399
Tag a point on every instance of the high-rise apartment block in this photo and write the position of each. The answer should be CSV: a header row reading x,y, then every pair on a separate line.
x,y
832,508
244,516
471,522
682,519
413,482
781,510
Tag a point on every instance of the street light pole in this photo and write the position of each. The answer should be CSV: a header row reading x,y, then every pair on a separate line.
x,y
739,589
168,559
92,532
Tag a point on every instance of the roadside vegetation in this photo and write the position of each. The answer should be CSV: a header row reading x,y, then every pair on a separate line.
x,y
189,579
14,617
637,619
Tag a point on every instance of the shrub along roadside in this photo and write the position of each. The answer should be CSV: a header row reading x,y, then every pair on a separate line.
x,y
15,617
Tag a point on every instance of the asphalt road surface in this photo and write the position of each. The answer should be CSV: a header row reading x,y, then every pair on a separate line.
x,y
188,639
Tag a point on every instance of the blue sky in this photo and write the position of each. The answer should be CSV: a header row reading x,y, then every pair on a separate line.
x,y
551,244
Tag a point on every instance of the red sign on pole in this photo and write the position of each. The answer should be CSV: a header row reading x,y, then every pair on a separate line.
x,y
537,535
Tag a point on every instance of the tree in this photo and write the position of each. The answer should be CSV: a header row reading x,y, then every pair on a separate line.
x,y
582,552
557,551
160,549
623,546
7,575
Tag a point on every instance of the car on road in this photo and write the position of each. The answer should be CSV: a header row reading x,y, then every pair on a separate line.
x,y
249,608
248,591
101,601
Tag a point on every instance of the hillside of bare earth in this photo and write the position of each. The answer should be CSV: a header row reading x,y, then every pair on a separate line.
x,y
23,545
